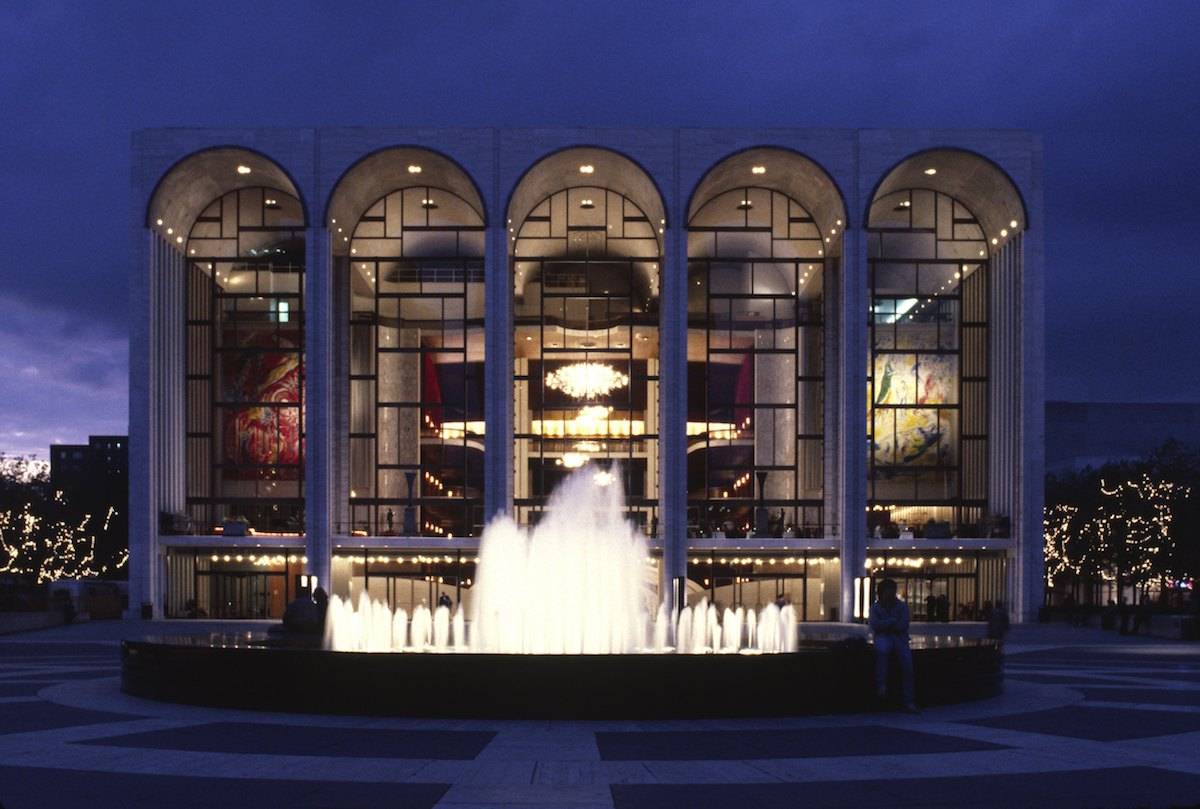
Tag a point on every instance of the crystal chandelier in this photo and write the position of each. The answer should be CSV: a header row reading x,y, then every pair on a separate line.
x,y
585,380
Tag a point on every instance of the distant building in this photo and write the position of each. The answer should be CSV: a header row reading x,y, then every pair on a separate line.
x,y
1082,434
101,463
93,478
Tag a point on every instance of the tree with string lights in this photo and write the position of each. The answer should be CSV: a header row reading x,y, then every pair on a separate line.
x,y
43,537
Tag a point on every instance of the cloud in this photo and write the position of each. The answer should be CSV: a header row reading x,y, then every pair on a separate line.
x,y
62,378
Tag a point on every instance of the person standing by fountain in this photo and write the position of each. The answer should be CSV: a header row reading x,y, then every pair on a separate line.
x,y
889,624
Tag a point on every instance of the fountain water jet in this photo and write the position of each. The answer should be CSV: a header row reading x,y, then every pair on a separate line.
x,y
579,582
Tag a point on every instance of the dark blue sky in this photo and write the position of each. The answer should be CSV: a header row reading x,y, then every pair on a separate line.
x,y
1113,87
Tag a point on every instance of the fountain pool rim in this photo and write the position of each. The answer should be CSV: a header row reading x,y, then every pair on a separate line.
x,y
820,677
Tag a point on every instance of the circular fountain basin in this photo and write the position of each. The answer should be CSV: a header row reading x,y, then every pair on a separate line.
x,y
254,672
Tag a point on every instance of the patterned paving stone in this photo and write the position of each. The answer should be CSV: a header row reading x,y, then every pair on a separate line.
x,y
1174,676
20,689
1146,696
36,788
1057,679
866,740
1095,789
22,717
300,740
57,676
1096,724
14,649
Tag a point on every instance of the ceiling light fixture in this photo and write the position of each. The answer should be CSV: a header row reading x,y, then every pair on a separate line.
x,y
587,168
243,169
1013,224
428,204
758,170
413,168
587,204
931,171
582,380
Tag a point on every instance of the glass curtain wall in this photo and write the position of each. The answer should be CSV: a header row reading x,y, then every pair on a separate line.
x,y
416,335
756,301
586,318
927,369
244,299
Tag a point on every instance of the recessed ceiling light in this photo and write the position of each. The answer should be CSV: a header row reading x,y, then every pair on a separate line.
x,y
170,231
243,169
158,222
587,168
1013,224
414,169
995,240
931,171
1003,232
178,240
758,170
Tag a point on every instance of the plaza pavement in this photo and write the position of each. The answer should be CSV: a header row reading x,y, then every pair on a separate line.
x,y
1087,719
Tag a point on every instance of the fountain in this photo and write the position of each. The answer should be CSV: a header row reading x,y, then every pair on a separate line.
x,y
563,623
579,582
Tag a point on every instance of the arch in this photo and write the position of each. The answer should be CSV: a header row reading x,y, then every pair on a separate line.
x,y
408,228
585,247
195,180
611,170
928,359
784,170
758,258
973,179
389,169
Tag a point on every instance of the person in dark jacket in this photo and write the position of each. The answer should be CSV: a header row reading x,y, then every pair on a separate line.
x,y
889,624
997,622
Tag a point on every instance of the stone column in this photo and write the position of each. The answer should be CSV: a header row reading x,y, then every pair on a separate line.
x,y
318,375
852,414
672,441
143,505
498,370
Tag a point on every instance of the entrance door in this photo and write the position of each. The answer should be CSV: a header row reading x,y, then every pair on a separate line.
x,y
246,595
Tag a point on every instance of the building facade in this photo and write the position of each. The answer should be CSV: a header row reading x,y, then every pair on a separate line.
x,y
814,357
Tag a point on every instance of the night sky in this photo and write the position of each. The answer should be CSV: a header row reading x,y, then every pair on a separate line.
x,y
1113,87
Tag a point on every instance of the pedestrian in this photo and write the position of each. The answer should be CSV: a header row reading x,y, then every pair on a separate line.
x,y
997,622
889,624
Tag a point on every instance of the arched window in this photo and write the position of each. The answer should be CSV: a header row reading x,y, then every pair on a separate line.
x,y
945,231
928,365
756,301
244,366
763,235
412,266
586,259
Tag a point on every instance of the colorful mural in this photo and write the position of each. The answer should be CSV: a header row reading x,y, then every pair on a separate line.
x,y
262,433
916,435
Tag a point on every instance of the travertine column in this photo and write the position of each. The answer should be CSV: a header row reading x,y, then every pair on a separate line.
x,y
852,415
319,426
